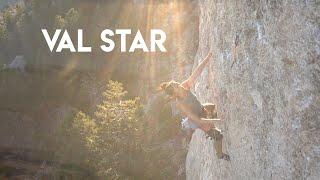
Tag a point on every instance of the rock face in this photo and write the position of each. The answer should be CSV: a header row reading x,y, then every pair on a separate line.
x,y
265,80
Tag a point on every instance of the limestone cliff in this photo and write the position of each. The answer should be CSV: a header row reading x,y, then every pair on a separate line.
x,y
265,80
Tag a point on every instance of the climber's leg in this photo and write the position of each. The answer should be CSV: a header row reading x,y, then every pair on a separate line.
x,y
210,110
217,136
218,147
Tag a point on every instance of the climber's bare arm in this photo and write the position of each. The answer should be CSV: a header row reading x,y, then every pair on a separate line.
x,y
189,83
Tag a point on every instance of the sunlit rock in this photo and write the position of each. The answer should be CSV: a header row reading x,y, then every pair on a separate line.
x,y
265,81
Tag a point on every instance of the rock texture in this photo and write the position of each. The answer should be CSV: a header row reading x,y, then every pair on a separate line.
x,y
265,80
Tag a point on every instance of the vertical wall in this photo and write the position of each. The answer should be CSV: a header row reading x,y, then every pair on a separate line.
x,y
265,80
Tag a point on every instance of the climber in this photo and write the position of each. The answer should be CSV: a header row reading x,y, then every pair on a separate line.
x,y
198,115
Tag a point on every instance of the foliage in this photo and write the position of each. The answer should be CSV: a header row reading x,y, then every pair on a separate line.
x,y
60,22
112,133
120,142
20,27
72,17
70,20
3,32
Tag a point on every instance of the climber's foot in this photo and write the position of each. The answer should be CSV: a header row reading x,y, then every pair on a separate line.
x,y
225,157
